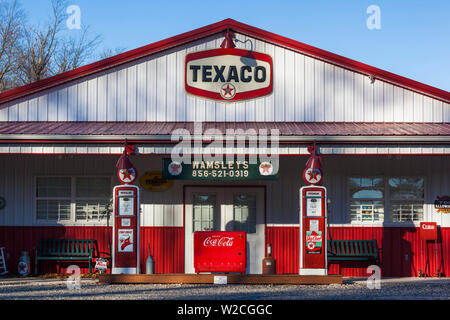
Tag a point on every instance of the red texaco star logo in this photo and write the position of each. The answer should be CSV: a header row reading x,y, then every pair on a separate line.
x,y
312,176
175,168
127,175
265,168
228,91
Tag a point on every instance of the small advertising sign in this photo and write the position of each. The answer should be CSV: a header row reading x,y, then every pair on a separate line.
x,y
442,204
313,241
101,264
125,237
428,231
154,181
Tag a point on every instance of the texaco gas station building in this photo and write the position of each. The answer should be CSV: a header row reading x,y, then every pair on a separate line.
x,y
384,141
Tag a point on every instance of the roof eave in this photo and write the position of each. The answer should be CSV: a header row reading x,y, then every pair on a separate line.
x,y
27,138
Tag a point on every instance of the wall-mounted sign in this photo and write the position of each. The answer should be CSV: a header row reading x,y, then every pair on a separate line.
x,y
154,181
228,74
428,231
442,204
218,170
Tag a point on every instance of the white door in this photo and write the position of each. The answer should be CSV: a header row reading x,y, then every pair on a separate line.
x,y
226,209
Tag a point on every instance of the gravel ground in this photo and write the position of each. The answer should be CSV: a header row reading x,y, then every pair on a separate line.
x,y
352,289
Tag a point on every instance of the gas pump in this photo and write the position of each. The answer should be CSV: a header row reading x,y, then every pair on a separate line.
x,y
125,258
313,230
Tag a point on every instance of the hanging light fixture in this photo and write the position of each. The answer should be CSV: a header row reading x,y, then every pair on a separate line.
x,y
314,162
228,42
124,162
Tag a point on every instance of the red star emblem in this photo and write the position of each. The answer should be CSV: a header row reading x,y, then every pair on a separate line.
x,y
126,174
227,90
313,174
175,168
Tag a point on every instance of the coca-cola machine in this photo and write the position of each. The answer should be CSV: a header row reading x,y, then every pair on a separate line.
x,y
220,251
313,230
125,257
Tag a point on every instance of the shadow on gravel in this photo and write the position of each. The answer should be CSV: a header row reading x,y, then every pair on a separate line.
x,y
230,292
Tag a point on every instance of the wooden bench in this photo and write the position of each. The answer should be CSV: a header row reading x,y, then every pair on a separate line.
x,y
65,250
353,250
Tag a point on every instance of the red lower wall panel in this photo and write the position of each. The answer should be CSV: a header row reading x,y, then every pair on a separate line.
x,y
166,245
403,253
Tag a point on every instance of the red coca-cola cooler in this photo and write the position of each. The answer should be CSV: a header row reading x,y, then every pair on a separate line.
x,y
220,251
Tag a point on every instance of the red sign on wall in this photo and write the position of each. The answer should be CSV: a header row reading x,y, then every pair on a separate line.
x,y
428,231
220,251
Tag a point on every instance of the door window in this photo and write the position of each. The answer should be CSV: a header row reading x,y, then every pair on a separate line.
x,y
204,209
244,213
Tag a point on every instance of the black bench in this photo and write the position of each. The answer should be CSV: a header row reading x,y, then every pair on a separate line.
x,y
353,250
65,250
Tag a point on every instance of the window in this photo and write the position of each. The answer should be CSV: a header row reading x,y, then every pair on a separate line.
x,y
403,196
244,212
406,199
92,197
72,198
366,199
204,206
53,198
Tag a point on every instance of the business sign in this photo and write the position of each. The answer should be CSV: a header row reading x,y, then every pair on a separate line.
x,y
228,74
218,170
442,204
154,181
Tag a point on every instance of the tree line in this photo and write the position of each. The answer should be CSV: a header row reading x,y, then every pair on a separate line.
x,y
29,53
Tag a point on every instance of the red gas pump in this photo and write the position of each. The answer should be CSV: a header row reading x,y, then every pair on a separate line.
x,y
313,230
125,257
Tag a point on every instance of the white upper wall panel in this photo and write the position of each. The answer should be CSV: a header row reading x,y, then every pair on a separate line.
x,y
152,89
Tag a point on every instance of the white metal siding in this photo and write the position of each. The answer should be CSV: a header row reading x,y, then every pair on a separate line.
x,y
152,89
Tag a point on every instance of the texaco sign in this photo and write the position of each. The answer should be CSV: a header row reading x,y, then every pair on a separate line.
x,y
228,74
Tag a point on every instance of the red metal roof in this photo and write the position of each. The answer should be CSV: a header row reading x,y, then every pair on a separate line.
x,y
167,128
222,26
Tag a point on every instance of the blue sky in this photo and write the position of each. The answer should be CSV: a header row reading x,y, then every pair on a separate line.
x,y
414,39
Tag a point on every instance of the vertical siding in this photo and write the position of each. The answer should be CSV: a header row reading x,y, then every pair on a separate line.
x,y
166,245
